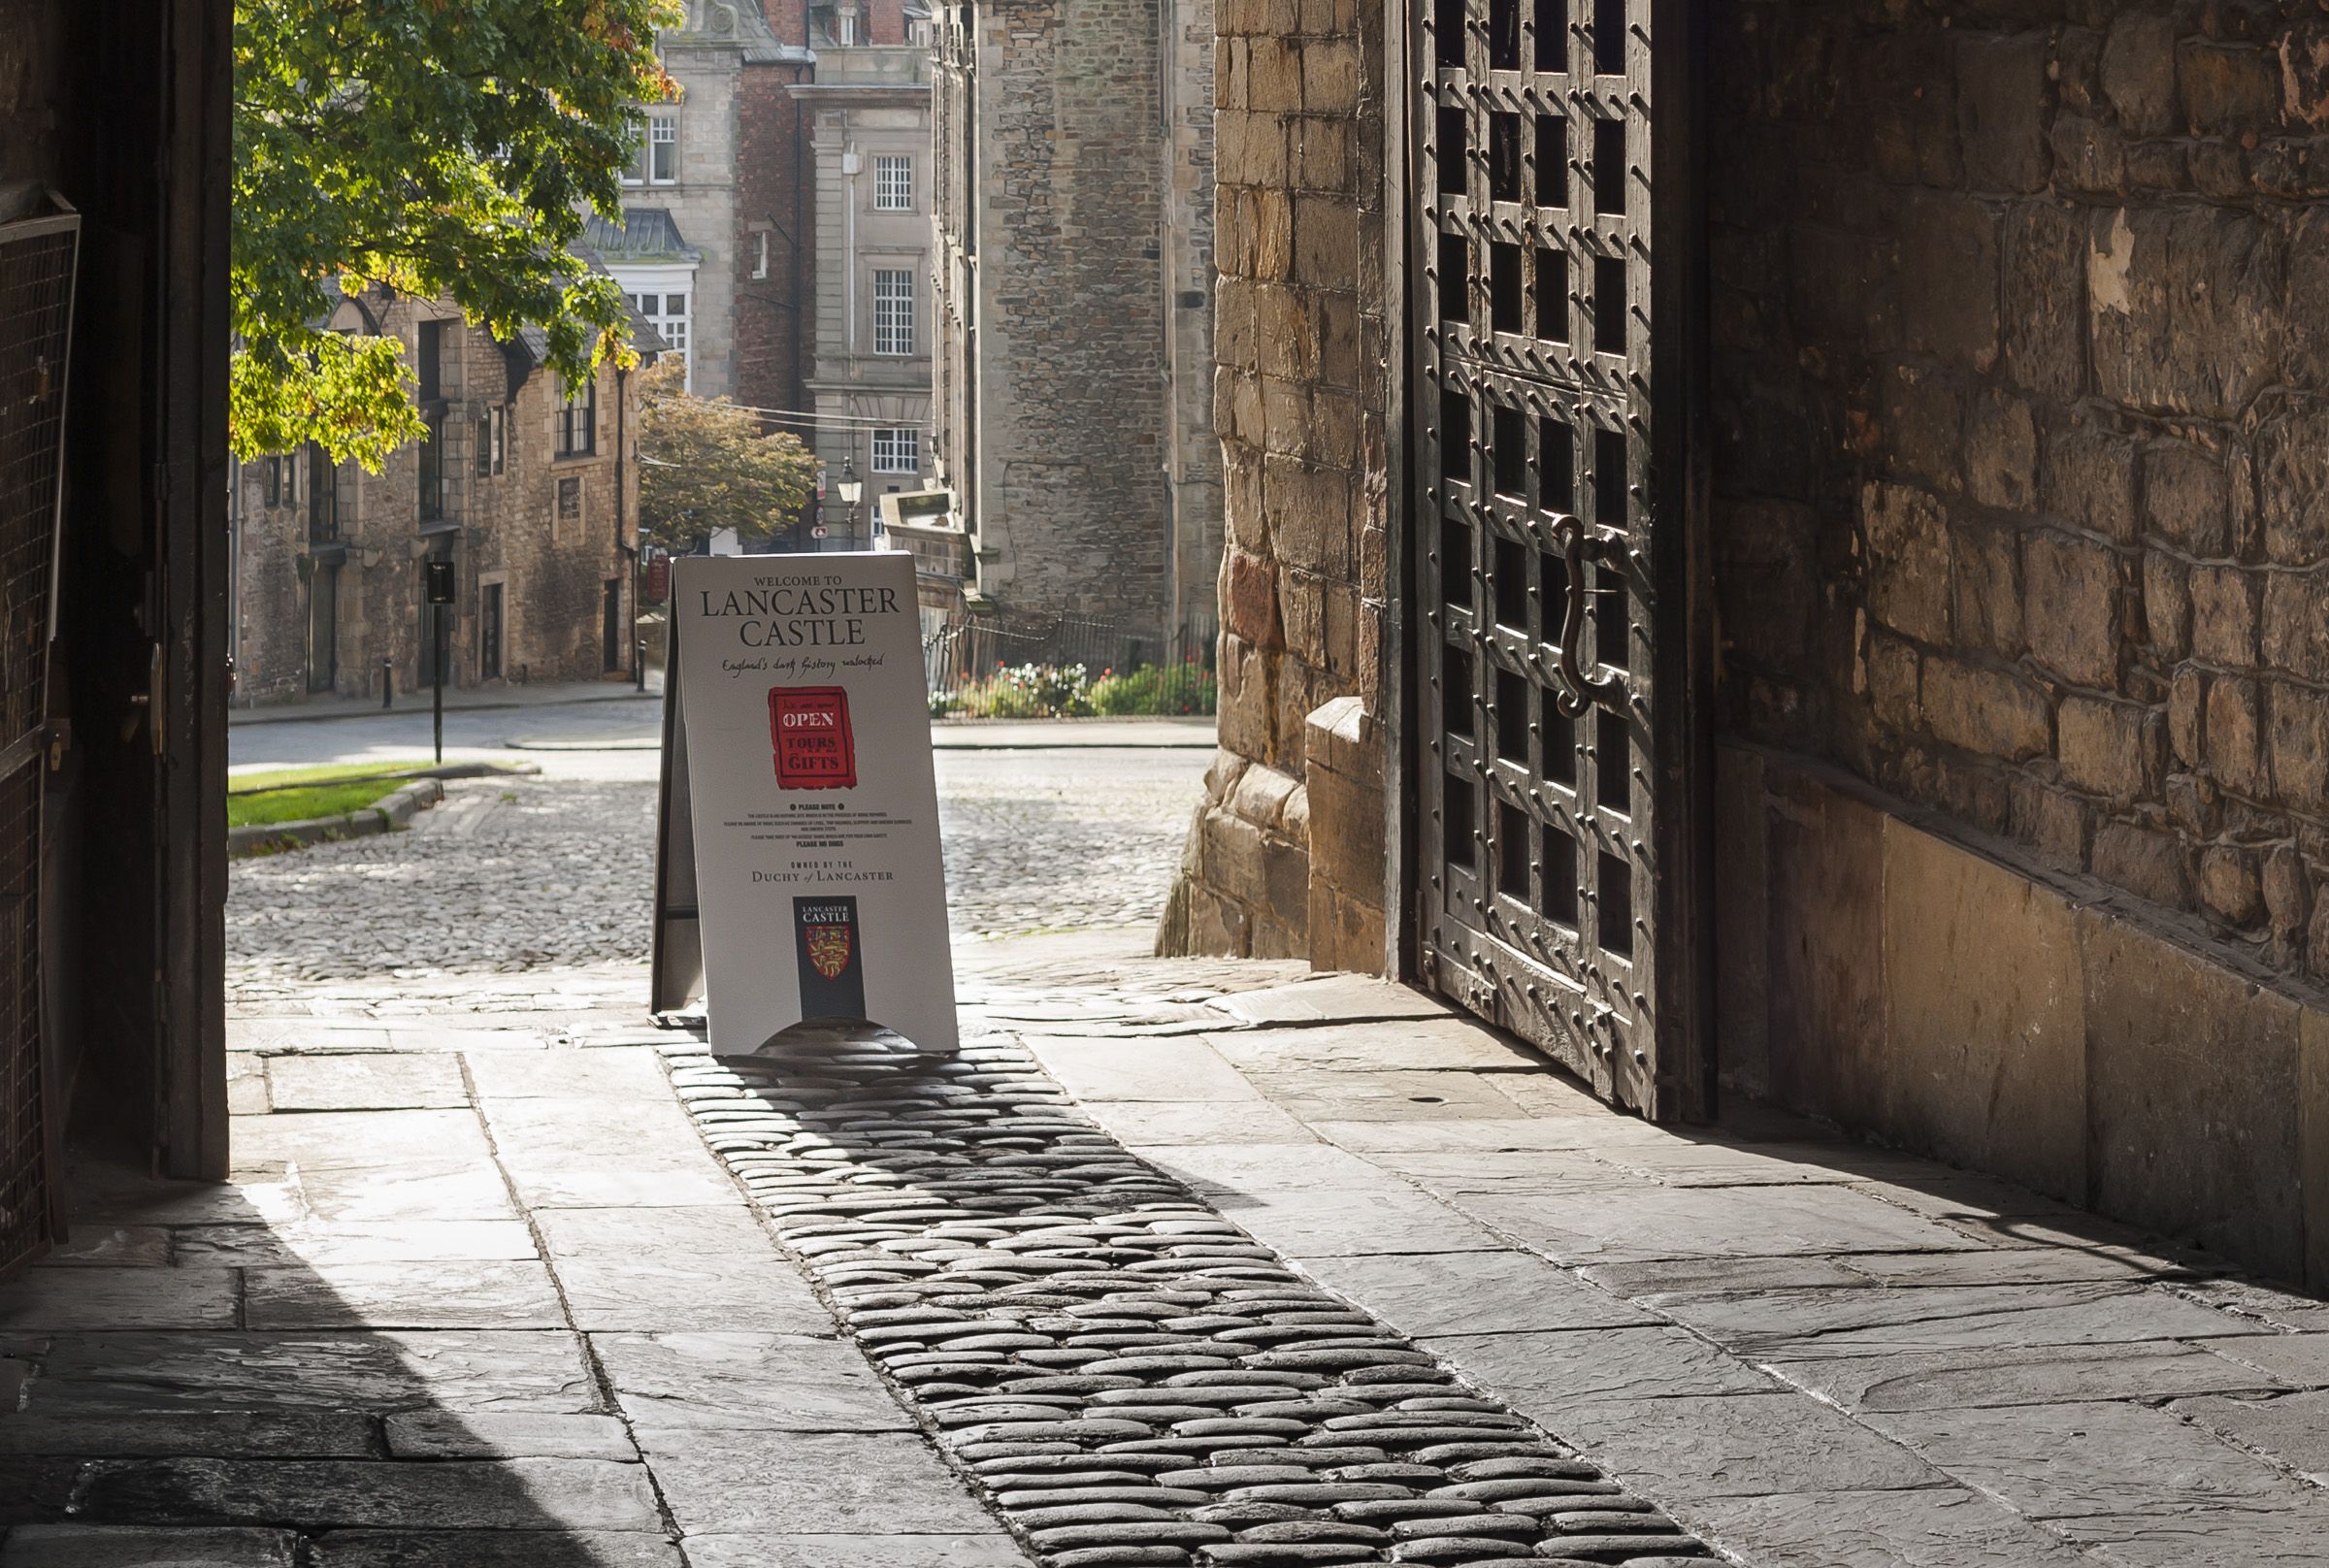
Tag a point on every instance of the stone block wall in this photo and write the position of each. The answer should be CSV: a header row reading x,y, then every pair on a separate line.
x,y
271,589
1069,155
1192,450
2021,362
502,528
1342,793
1908,977
1303,397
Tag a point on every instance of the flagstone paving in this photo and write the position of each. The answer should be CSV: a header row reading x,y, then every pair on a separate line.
x,y
1806,1351
1241,1277
1178,1263
538,1324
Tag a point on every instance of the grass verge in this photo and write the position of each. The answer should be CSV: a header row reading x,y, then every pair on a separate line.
x,y
276,778
326,799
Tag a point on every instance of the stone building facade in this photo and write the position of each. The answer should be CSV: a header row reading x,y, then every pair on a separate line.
x,y
532,496
1073,301
711,247
756,219
2017,779
869,108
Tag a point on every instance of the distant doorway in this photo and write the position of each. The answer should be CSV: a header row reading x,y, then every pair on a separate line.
x,y
323,627
489,632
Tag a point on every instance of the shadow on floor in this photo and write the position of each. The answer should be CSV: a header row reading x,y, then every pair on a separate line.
x,y
254,1375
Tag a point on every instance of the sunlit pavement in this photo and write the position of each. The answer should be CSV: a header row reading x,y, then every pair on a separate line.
x,y
1180,1261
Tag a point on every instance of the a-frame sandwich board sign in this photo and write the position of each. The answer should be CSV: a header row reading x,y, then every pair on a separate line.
x,y
798,866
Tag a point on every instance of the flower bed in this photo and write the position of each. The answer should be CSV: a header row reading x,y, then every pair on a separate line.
x,y
1072,692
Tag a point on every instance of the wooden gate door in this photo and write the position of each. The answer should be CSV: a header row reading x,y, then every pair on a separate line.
x,y
1557,621
39,260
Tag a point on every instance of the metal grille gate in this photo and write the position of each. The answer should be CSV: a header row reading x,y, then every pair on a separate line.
x,y
1558,636
37,261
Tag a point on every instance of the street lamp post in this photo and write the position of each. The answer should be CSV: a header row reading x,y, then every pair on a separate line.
x,y
852,490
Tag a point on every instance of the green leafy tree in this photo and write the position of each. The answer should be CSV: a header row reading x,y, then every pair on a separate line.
x,y
705,465
441,148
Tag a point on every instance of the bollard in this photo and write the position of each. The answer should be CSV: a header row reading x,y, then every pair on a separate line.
x,y
387,683
638,662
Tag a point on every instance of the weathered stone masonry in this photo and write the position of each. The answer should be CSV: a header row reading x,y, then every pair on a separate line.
x,y
2021,396
2022,355
1286,854
2023,348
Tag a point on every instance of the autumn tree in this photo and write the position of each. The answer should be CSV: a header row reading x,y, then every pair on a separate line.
x,y
706,464
442,148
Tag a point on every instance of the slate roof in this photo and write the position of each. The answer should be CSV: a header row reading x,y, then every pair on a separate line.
x,y
646,235
530,349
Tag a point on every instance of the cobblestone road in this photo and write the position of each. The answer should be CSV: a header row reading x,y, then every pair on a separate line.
x,y
1063,840
522,874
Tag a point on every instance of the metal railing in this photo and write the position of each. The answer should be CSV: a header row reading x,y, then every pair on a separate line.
x,y
983,666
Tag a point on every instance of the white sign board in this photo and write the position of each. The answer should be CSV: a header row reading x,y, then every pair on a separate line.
x,y
798,787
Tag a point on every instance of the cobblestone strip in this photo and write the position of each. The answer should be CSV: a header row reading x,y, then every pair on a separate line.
x,y
1129,1377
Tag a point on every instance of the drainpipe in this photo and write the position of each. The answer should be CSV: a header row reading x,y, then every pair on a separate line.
x,y
803,129
848,236
849,167
622,442
1170,280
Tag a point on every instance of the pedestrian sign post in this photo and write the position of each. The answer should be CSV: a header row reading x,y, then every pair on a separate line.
x,y
798,873
437,578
